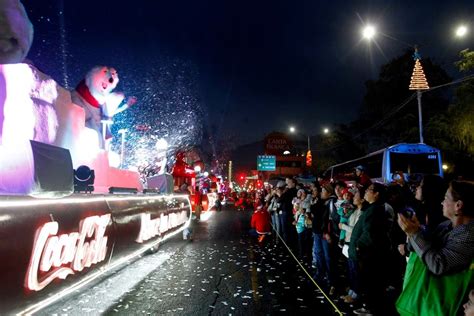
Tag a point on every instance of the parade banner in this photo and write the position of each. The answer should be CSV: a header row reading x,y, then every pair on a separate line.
x,y
52,247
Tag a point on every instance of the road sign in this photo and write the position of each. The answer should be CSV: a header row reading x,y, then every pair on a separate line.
x,y
266,163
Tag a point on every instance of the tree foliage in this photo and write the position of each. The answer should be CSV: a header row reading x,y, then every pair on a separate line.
x,y
452,131
466,63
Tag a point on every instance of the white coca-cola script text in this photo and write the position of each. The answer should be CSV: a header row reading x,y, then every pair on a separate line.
x,y
56,256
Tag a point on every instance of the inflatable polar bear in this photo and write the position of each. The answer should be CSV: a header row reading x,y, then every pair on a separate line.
x,y
16,32
100,104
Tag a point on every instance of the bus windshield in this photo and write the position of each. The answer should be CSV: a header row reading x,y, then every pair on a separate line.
x,y
425,163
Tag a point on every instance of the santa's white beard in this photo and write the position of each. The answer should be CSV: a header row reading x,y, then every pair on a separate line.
x,y
16,32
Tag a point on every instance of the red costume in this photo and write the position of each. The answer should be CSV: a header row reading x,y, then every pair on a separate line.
x,y
364,180
261,221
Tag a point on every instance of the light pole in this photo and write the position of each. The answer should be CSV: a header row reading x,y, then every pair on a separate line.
x,y
418,80
292,130
308,153
122,133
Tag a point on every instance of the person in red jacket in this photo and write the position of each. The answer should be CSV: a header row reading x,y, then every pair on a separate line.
x,y
362,178
261,222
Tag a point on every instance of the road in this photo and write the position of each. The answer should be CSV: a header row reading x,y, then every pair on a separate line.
x,y
222,271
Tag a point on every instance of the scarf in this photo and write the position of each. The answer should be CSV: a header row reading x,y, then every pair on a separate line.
x,y
84,92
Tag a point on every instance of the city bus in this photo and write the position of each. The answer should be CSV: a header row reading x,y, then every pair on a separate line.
x,y
414,160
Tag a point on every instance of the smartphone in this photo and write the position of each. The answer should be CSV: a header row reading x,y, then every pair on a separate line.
x,y
407,212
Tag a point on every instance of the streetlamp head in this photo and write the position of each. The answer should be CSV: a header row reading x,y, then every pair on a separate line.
x,y
326,131
461,31
368,32
292,129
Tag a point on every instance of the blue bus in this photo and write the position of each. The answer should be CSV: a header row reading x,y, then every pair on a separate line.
x,y
414,160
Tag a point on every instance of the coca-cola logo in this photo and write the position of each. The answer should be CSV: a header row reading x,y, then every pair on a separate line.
x,y
56,256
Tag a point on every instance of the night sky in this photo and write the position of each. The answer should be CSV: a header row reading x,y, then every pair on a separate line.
x,y
250,67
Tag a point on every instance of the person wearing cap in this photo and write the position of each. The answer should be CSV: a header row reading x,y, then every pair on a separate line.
x,y
285,214
322,237
362,178
281,184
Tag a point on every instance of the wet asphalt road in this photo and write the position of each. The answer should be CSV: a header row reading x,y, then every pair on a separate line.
x,y
222,271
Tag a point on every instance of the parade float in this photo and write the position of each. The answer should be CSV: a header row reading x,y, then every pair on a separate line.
x,y
55,241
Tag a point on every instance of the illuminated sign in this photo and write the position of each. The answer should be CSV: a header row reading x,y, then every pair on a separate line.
x,y
150,228
266,163
277,143
309,159
56,256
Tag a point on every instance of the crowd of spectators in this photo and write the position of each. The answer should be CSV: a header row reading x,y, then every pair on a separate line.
x,y
382,248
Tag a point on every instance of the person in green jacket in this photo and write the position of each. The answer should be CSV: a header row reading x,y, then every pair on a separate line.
x,y
370,247
440,271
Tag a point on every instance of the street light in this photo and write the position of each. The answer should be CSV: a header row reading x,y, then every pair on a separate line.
x,y
368,32
461,31
326,130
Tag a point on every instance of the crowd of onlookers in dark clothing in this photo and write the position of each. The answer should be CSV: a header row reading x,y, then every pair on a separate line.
x,y
400,250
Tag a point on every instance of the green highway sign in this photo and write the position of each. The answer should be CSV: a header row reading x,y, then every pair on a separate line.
x,y
266,163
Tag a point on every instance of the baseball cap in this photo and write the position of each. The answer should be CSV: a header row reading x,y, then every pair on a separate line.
x,y
347,190
281,184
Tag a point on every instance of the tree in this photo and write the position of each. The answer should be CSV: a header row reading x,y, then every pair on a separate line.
x,y
463,111
452,131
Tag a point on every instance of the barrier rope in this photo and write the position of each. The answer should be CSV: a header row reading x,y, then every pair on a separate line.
x,y
308,274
